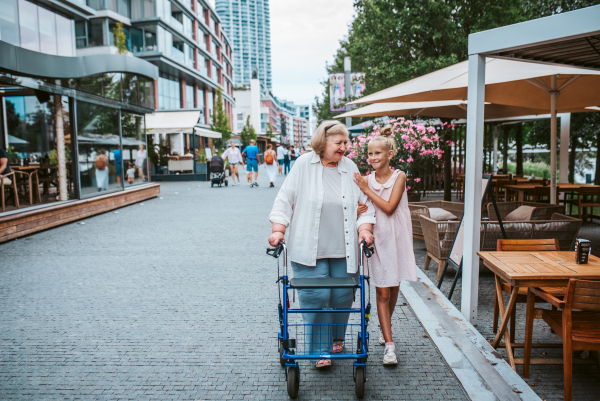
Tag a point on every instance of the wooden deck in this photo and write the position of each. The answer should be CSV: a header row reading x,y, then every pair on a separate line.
x,y
32,221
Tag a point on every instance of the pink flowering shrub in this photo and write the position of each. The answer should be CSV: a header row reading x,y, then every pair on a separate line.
x,y
418,150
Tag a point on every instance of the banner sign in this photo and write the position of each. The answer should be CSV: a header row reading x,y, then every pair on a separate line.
x,y
337,89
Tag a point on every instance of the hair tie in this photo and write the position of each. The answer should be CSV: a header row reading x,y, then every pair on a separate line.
x,y
332,125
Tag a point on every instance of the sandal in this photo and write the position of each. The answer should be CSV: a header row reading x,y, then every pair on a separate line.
x,y
338,347
323,363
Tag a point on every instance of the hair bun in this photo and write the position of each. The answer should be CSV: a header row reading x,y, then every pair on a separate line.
x,y
387,131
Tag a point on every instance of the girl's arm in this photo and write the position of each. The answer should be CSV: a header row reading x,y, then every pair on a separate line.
x,y
387,206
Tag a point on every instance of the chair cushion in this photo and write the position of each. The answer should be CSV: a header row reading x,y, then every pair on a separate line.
x,y
438,214
586,325
522,213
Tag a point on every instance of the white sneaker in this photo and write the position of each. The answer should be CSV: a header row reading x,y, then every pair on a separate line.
x,y
249,184
381,339
389,356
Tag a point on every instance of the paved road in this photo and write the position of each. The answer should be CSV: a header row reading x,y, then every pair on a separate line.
x,y
173,299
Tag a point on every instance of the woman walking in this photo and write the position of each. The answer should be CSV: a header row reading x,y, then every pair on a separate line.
x,y
317,207
102,171
235,158
394,259
270,158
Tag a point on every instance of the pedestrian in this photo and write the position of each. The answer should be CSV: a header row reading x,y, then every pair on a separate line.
x,y
394,258
130,174
252,163
280,157
302,151
140,161
271,165
4,167
286,160
320,198
235,157
102,171
293,156
119,162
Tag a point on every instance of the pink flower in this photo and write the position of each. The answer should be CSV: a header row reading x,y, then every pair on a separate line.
x,y
410,160
368,162
365,125
392,168
417,179
408,187
368,172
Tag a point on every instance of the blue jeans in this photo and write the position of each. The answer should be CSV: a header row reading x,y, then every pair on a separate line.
x,y
286,167
318,336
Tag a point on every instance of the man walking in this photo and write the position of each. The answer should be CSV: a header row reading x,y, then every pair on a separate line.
x,y
286,160
280,157
252,163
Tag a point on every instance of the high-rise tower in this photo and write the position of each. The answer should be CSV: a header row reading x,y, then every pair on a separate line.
x,y
247,23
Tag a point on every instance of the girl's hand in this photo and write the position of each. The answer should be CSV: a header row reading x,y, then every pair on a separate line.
x,y
362,208
275,238
361,182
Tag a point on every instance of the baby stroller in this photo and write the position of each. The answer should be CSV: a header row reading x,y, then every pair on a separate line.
x,y
217,171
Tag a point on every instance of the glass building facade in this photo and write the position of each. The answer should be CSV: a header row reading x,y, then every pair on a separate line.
x,y
96,113
248,24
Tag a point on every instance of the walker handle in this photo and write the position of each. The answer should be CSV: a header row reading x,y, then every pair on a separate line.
x,y
275,252
368,251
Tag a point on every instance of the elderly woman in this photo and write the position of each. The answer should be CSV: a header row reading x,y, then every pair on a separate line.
x,y
318,203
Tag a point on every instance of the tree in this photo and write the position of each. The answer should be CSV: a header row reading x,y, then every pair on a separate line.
x,y
270,132
220,122
248,133
120,38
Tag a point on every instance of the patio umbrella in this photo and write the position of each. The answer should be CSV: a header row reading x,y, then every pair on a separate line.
x,y
558,89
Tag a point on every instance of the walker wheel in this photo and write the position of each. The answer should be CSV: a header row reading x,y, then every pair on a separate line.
x,y
212,184
292,382
226,183
359,380
281,360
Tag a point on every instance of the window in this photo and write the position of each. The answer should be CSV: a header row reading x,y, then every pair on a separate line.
x,y
150,39
64,36
201,104
189,97
169,96
177,50
214,76
9,26
133,158
210,105
240,117
240,126
149,9
28,23
264,116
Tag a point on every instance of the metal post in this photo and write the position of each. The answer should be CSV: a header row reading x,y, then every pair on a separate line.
x,y
348,87
565,132
495,155
553,95
473,190
60,149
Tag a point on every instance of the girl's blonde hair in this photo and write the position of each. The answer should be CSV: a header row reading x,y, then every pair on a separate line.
x,y
326,129
386,137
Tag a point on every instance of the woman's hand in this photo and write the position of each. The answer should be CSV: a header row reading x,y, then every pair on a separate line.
x,y
361,182
275,237
362,208
365,235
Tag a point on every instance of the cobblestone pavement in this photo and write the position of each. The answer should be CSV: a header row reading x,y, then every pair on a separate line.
x,y
545,380
174,298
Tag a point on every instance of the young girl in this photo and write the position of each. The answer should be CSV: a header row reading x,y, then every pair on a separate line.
x,y
394,259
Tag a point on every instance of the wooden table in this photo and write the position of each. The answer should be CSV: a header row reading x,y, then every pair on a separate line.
x,y
532,269
521,189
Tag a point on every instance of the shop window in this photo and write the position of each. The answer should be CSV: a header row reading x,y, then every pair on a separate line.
x,y
130,89
146,92
112,85
133,156
98,137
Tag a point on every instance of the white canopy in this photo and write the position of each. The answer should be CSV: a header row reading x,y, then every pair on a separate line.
x,y
173,122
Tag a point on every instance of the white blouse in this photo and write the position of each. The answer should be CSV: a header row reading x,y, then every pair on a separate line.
x,y
299,203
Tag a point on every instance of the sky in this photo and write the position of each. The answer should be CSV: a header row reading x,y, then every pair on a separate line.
x,y
305,34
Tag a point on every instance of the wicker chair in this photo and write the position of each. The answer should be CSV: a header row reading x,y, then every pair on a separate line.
x,y
439,237
422,208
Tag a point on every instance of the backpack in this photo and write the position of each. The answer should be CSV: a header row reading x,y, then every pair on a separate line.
x,y
269,158
286,158
100,163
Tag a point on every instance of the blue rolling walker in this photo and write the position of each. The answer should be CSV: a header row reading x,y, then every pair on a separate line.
x,y
291,350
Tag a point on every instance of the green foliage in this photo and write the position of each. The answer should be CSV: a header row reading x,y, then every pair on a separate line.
x,y
393,41
220,123
270,132
248,133
120,39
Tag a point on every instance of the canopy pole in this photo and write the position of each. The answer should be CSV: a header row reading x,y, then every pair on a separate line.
x,y
495,155
553,96
473,183
565,133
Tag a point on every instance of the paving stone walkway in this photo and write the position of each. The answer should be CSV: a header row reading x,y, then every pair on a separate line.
x,y
174,299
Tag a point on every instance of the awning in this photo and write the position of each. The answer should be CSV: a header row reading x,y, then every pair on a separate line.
x,y
207,133
172,122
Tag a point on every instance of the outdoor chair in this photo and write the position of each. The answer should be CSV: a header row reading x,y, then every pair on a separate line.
x,y
439,237
30,183
577,323
542,194
10,176
48,176
501,192
513,245
585,199
422,208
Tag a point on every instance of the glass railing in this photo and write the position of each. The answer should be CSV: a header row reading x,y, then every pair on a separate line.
x,y
176,24
177,55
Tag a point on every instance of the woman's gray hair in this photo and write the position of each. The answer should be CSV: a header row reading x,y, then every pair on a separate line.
x,y
326,129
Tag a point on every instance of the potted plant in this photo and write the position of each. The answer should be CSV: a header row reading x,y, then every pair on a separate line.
x,y
418,151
